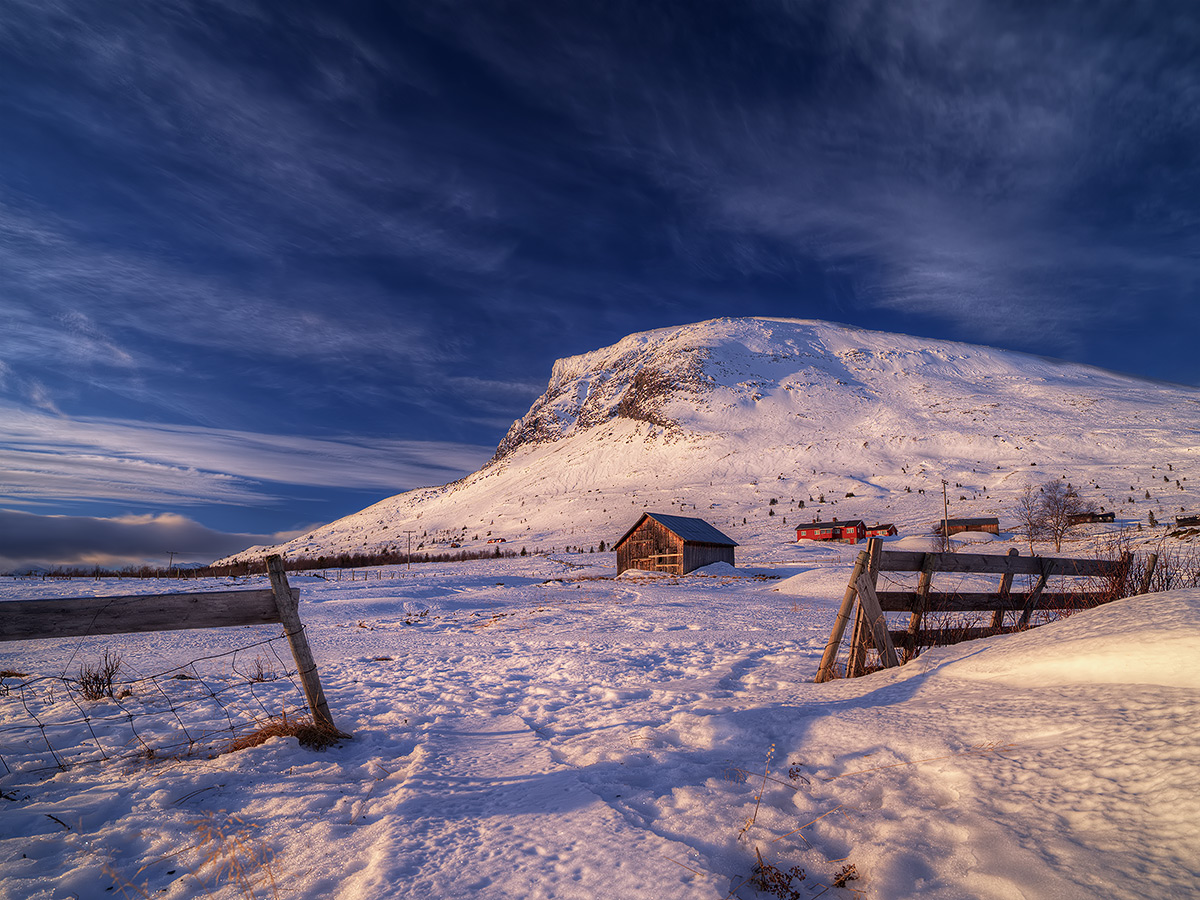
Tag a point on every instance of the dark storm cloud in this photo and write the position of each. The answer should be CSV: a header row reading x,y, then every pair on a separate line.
x,y
27,540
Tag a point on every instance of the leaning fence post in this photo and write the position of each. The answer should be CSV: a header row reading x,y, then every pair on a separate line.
x,y
826,670
289,613
862,623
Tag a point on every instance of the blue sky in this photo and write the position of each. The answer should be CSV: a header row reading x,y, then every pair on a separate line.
x,y
262,264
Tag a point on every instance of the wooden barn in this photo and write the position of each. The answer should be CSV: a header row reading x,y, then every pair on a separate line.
x,y
674,544
954,526
887,530
850,532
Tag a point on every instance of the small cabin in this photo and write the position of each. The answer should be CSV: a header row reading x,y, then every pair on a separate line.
x,y
673,544
1188,521
1087,518
955,526
888,530
848,532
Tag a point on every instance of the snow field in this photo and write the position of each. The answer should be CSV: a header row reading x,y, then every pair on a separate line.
x,y
546,730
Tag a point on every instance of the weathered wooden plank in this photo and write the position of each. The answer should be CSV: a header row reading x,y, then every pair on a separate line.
x,y
23,620
990,564
875,621
288,604
942,637
967,601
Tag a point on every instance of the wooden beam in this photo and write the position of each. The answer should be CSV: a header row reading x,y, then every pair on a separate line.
x,y
25,620
981,563
288,604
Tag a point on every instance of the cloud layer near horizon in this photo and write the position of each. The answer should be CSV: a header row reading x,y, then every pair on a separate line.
x,y
28,540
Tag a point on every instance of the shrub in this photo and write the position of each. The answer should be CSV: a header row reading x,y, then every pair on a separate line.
x,y
96,680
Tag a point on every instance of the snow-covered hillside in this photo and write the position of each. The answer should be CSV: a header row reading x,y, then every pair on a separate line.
x,y
720,417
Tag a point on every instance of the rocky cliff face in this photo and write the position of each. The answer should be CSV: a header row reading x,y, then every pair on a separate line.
x,y
634,379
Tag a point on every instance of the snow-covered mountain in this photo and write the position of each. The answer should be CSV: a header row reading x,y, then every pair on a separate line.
x,y
740,421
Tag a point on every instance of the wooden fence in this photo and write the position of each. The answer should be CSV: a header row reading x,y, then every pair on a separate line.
x,y
872,629
22,620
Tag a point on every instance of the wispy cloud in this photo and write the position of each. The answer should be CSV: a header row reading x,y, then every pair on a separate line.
x,y
45,457
960,161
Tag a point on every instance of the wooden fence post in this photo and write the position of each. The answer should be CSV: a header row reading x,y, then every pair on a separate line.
x,y
1151,562
1034,598
825,672
1006,581
306,666
924,583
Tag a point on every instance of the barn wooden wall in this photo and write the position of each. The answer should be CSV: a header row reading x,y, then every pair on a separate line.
x,y
653,539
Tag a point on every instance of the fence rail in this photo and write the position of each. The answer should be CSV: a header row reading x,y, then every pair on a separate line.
x,y
872,629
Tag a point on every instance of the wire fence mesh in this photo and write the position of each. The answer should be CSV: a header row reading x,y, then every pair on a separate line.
x,y
50,723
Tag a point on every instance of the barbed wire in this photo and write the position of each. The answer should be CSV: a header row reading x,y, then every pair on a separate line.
x,y
51,723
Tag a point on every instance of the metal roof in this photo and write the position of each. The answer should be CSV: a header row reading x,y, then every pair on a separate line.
x,y
695,530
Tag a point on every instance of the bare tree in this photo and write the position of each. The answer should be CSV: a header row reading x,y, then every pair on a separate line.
x,y
1061,505
1049,512
1031,519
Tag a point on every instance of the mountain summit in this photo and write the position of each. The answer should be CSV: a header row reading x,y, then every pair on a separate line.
x,y
748,422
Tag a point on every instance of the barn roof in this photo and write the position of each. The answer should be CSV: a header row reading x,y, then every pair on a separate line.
x,y
695,530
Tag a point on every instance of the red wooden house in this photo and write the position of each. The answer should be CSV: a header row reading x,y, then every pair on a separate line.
x,y
849,532
888,530
818,531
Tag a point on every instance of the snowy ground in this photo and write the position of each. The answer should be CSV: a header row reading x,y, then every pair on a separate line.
x,y
547,730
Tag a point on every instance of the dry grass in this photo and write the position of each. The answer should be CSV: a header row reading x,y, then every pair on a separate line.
x,y
231,853
312,735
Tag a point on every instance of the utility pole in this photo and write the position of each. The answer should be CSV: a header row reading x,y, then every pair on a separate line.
x,y
171,562
945,516
408,555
